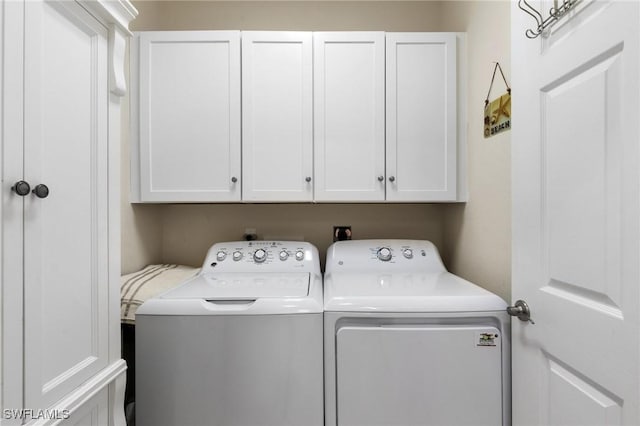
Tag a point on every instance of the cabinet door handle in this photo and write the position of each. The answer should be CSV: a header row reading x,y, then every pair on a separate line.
x,y
392,178
234,179
41,190
308,179
380,178
21,188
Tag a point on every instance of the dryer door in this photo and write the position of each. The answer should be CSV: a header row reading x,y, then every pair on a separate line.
x,y
419,375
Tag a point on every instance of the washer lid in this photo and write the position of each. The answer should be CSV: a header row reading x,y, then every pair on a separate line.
x,y
410,292
236,286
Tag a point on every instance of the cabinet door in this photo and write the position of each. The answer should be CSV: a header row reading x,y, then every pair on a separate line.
x,y
189,116
349,116
277,135
421,117
66,248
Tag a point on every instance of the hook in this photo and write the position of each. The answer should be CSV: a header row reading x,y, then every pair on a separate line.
x,y
556,12
531,11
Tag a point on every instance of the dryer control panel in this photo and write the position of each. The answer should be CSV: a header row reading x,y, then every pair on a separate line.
x,y
265,256
384,255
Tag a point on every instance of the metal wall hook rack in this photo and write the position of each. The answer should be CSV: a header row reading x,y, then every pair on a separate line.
x,y
555,13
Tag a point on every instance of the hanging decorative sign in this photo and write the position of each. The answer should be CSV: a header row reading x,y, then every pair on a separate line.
x,y
497,113
497,116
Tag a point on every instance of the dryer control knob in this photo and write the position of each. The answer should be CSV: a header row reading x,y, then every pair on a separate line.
x,y
283,255
220,256
384,254
237,255
259,255
299,255
408,253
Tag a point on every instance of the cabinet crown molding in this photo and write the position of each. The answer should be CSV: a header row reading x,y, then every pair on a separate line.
x,y
116,15
117,12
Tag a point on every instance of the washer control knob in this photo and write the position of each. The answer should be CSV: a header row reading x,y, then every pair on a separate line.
x,y
299,255
220,256
384,254
408,253
283,255
259,255
237,255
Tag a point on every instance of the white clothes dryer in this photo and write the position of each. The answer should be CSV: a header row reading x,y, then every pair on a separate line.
x,y
408,343
239,344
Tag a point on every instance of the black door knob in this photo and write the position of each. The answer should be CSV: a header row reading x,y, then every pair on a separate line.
x,y
41,190
21,188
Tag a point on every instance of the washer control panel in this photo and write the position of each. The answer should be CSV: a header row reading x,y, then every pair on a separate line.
x,y
384,255
274,256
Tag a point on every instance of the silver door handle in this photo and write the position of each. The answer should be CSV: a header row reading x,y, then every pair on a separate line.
x,y
521,310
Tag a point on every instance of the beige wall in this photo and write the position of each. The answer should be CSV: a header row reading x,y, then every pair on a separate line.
x,y
477,234
474,238
189,230
288,15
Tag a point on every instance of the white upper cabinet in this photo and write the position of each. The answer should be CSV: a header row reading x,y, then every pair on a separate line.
x,y
421,117
277,118
349,116
189,116
285,116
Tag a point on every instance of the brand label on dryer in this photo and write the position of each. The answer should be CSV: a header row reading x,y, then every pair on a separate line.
x,y
486,338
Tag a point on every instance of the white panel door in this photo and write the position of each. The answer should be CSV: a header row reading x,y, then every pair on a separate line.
x,y
349,116
189,116
277,127
421,117
65,234
576,204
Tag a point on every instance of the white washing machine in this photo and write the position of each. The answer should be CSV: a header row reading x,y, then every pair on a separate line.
x,y
240,344
407,343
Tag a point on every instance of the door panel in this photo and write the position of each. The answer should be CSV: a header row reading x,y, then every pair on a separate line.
x,y
421,116
349,116
66,234
577,400
582,215
277,144
576,205
190,116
